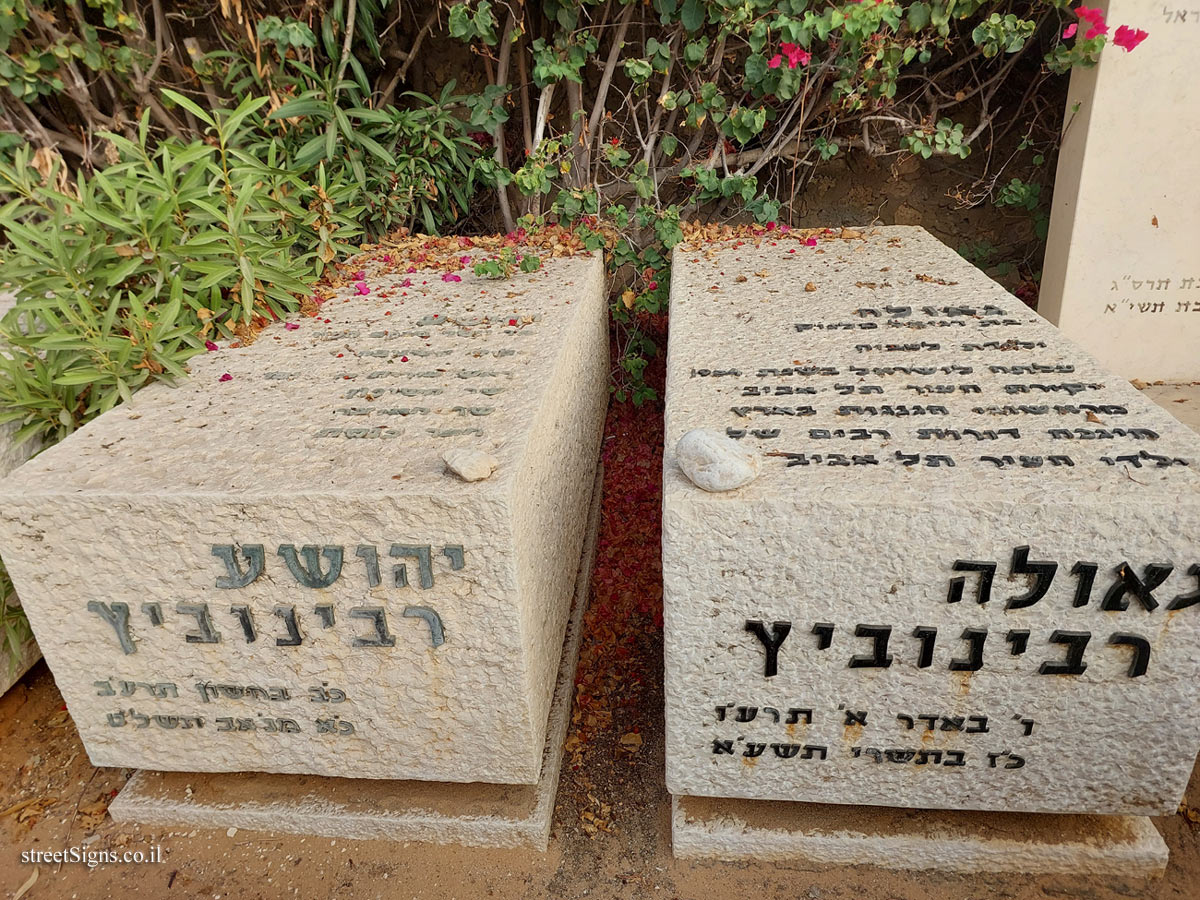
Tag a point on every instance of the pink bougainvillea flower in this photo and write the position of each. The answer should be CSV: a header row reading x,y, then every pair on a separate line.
x,y
1069,31
410,270
1095,17
797,55
774,61
407,282
1127,38
448,276
361,288
387,257
465,260
512,322
770,226
226,377
291,326
810,242
785,228
359,275
210,346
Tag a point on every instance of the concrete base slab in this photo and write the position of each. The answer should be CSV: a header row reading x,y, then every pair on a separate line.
x,y
473,815
10,674
1180,400
930,840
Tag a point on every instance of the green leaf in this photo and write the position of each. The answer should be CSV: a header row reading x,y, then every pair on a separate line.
x,y
692,15
180,100
918,16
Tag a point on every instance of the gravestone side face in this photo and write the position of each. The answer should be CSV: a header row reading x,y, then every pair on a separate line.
x,y
967,575
269,567
13,666
1122,275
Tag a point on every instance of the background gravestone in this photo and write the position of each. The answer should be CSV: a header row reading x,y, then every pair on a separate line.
x,y
269,568
967,576
1122,275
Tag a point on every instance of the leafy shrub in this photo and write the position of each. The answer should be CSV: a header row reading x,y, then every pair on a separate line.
x,y
14,627
122,274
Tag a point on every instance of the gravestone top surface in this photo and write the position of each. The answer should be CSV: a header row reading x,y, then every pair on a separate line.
x,y
966,575
275,570
906,350
365,397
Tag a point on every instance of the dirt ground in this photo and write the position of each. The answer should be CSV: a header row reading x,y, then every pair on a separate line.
x,y
611,836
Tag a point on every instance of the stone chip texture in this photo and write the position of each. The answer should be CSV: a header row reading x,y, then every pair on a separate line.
x,y
850,535
714,462
470,465
324,447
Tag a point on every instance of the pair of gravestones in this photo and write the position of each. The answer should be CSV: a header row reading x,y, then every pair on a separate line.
x,y
963,579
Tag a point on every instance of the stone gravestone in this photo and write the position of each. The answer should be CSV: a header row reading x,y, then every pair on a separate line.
x,y
967,576
269,568
11,456
1122,273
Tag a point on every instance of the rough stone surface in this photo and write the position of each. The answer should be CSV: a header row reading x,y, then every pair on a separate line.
x,y
912,417
1121,274
714,462
11,673
945,841
431,655
473,815
470,465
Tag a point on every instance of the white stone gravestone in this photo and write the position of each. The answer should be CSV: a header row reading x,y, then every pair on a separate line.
x,y
1122,269
967,575
270,567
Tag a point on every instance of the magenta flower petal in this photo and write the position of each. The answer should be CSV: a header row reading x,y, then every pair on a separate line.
x,y
1128,38
1069,31
291,326
226,377
210,346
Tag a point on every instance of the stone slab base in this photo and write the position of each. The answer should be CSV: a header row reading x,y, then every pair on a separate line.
x,y
931,840
10,675
1180,400
473,815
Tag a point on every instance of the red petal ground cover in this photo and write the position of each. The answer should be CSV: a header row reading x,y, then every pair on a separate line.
x,y
622,627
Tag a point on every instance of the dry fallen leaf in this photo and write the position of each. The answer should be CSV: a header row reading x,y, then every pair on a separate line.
x,y
23,889
1139,384
1092,417
763,274
631,741
1154,221
740,279
58,719
627,297
810,287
